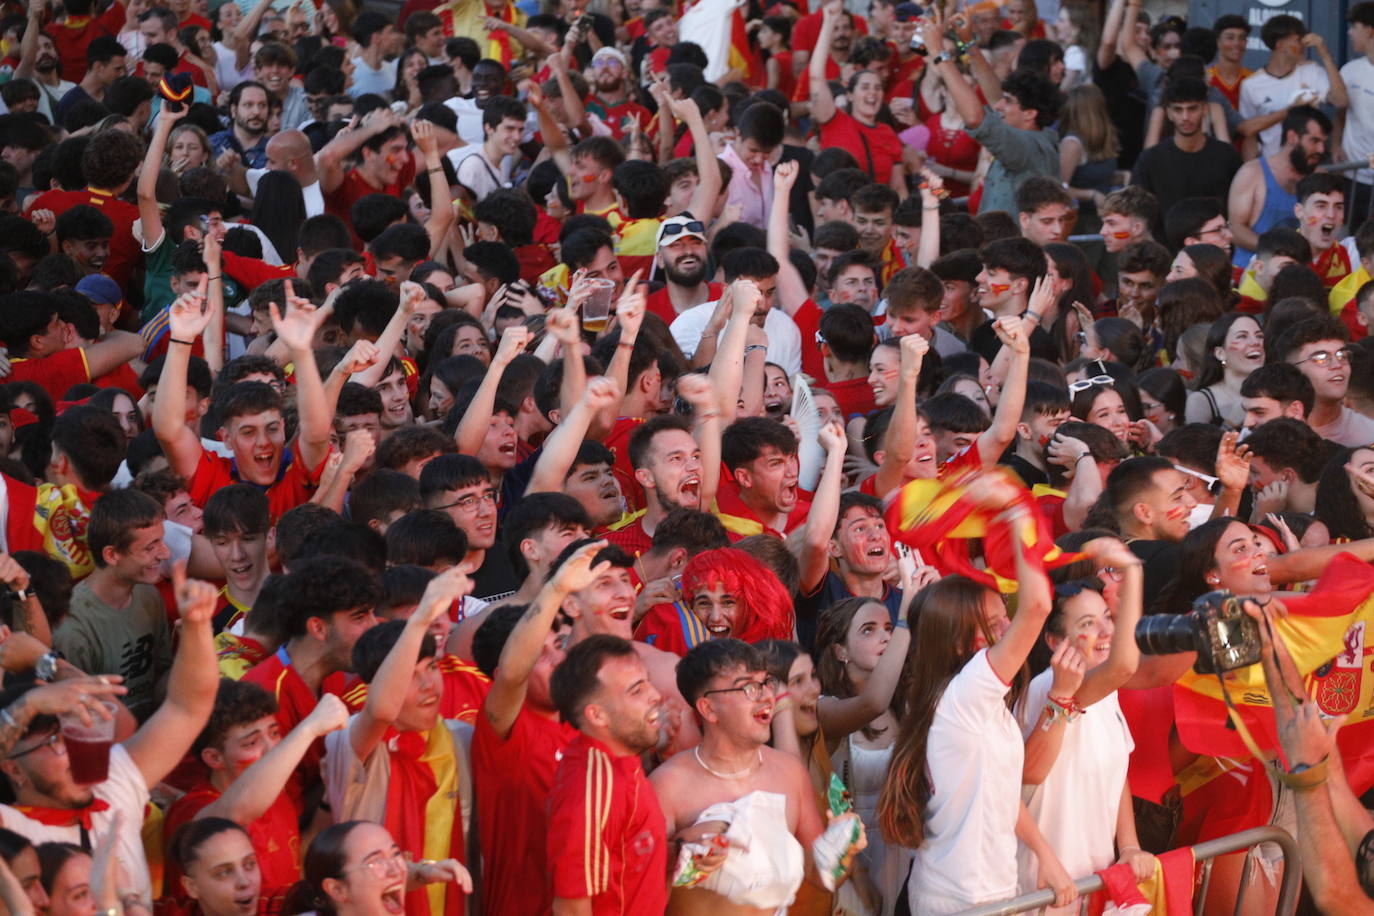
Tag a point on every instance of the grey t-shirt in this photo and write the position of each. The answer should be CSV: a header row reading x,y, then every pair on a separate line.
x,y
134,642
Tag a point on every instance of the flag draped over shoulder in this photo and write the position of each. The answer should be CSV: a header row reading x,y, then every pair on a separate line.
x,y
1327,632
938,518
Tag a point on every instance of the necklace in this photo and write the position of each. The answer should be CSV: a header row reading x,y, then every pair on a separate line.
x,y
696,752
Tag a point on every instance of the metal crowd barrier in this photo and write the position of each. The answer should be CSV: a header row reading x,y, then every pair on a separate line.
x,y
1203,853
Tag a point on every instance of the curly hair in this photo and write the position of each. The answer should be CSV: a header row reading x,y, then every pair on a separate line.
x,y
765,608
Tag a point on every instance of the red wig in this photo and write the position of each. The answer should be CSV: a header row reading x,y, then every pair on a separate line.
x,y
764,607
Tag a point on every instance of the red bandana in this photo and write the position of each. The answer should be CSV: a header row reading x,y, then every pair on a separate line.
x,y
63,817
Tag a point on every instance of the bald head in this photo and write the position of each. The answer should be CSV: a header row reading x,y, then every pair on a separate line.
x,y
289,151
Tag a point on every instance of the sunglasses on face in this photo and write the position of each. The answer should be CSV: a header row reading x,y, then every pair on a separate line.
x,y
1325,358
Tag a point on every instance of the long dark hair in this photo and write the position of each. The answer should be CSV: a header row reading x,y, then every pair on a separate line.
x,y
1071,264
1212,371
279,210
325,858
1337,504
1184,303
1165,386
950,617
1197,558
831,630
1212,265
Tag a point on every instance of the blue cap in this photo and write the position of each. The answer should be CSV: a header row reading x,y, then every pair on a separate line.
x,y
100,288
907,12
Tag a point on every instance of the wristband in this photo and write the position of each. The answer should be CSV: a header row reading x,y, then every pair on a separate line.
x,y
1082,456
216,277
1303,776
902,624
752,347
189,343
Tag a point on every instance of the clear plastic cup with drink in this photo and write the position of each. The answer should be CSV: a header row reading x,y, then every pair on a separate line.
x,y
596,308
88,746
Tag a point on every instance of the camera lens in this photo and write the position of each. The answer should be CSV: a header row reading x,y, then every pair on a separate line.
x,y
1165,634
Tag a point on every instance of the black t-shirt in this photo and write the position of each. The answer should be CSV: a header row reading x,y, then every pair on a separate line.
x,y
985,343
1160,560
495,578
831,590
1030,474
1170,174
1125,106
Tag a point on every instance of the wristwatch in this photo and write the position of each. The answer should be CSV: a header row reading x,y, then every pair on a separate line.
x,y
943,56
46,668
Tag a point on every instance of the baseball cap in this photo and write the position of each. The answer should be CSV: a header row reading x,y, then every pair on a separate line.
x,y
907,12
100,288
680,226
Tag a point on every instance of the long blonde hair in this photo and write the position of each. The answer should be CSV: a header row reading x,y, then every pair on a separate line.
x,y
1085,116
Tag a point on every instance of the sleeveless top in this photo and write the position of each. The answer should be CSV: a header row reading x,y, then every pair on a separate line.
x,y
1278,211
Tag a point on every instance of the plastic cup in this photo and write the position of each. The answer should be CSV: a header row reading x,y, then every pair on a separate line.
x,y
596,308
88,746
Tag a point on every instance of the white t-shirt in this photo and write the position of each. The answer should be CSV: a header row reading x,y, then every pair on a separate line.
x,y
226,74
784,340
1264,94
357,789
1076,806
480,177
1353,429
974,755
1359,117
469,120
126,793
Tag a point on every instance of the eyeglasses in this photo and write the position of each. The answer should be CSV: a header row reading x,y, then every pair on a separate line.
x,y
1325,358
382,864
752,690
52,740
470,502
1085,384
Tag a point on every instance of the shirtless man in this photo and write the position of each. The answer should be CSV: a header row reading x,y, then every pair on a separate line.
x,y
607,606
1305,135
732,694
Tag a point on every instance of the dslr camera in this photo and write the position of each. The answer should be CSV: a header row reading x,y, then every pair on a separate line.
x,y
1218,629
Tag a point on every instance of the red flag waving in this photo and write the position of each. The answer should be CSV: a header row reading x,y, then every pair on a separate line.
x,y
1327,632
939,518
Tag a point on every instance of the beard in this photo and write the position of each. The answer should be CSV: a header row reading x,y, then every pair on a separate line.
x,y
686,278
45,64
1298,159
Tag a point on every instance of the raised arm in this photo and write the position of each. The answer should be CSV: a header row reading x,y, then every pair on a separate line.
x,y
1014,332
149,215
695,389
526,641
386,694
329,160
555,141
727,366
297,331
901,432
28,45
187,319
212,338
961,94
1337,94
560,448
249,796
389,341
932,188
822,99
1124,657
1033,594
247,29
165,738
791,292
1111,30
813,550
440,196
1046,738
842,717
703,201
526,38
629,317
1126,44
476,422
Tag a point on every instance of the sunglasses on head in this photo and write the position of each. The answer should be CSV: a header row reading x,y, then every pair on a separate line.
x,y
1085,384
672,229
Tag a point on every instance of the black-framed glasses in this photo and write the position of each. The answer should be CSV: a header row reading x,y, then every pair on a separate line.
x,y
752,690
1326,358
50,741
470,502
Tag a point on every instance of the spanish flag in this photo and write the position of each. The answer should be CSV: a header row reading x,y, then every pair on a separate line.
x,y
1327,632
937,518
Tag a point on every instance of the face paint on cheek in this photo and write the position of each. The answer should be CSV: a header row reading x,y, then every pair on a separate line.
x,y
1044,441
998,289
1121,236
588,179
1176,513
1242,564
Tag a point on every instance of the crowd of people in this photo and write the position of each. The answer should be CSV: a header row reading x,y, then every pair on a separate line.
x,y
600,457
